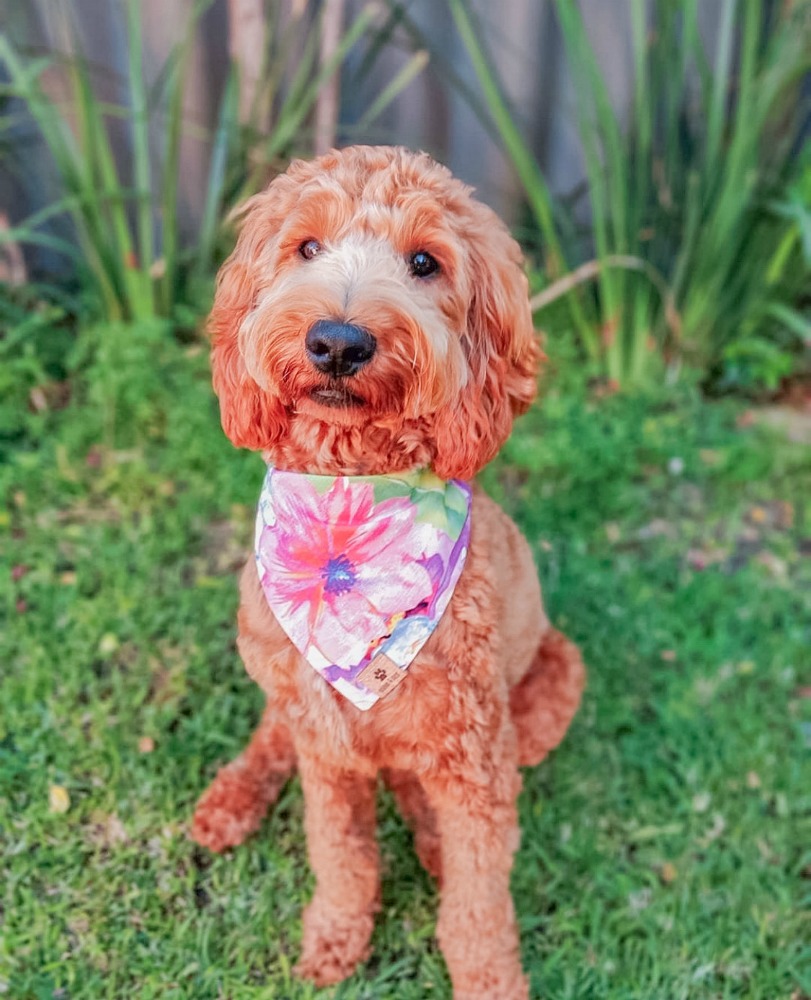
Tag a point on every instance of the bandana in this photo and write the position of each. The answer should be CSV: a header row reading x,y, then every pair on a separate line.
x,y
358,570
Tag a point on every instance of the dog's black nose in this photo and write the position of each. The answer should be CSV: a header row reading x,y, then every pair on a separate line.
x,y
339,349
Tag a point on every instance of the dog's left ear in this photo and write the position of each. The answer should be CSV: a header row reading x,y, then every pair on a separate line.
x,y
503,355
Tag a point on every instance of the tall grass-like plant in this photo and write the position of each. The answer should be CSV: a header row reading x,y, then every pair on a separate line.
x,y
782,291
131,273
692,256
128,249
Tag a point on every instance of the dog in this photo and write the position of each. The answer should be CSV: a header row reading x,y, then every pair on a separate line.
x,y
372,338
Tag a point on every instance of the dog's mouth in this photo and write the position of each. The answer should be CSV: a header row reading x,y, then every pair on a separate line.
x,y
336,397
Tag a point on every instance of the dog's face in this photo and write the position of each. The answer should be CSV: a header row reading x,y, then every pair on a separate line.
x,y
372,318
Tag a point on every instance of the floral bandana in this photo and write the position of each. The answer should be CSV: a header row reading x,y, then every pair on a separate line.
x,y
359,569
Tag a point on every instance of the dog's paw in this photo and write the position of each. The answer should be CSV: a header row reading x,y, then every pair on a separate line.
x,y
333,944
229,811
516,991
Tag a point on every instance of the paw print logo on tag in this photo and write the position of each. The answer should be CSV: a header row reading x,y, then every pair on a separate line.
x,y
382,675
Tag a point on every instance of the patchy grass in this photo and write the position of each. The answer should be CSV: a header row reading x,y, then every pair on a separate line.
x,y
665,845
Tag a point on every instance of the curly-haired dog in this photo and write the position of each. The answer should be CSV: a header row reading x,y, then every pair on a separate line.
x,y
373,324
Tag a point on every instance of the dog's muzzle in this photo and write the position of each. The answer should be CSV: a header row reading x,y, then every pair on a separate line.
x,y
339,349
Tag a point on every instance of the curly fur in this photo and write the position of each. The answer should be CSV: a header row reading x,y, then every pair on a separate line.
x,y
495,687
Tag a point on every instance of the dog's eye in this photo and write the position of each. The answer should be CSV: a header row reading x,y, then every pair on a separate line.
x,y
422,264
310,249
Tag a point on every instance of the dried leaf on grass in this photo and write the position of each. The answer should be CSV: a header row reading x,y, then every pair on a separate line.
x,y
58,799
668,872
107,831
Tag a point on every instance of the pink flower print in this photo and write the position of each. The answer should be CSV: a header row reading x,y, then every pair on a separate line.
x,y
338,568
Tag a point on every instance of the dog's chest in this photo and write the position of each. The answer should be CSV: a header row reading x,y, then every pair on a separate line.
x,y
404,730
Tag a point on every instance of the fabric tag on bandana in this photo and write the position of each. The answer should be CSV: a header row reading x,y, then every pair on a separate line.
x,y
358,570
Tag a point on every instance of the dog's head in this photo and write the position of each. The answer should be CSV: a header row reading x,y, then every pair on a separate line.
x,y
373,317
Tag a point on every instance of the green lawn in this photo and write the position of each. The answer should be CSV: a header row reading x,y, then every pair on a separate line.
x,y
665,845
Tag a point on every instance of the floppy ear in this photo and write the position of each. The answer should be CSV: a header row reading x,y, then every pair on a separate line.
x,y
250,417
504,356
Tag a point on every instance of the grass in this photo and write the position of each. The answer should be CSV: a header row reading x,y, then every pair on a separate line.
x,y
665,845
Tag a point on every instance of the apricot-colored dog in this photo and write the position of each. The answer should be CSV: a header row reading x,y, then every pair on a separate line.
x,y
387,242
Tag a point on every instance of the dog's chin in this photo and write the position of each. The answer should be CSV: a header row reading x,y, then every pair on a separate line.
x,y
334,405
337,399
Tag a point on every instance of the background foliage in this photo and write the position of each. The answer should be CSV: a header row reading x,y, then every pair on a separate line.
x,y
699,260
688,248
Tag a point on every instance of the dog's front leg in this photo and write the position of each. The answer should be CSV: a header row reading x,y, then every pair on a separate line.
x,y
477,930
339,810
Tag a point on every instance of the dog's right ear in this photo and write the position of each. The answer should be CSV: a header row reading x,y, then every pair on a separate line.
x,y
250,416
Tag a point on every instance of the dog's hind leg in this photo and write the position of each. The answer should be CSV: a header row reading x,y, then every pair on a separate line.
x,y
546,698
235,803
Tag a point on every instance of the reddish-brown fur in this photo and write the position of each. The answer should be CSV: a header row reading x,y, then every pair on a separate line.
x,y
495,687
